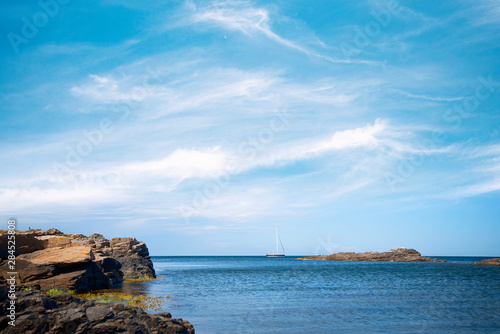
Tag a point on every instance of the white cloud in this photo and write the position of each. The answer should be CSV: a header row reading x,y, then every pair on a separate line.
x,y
477,189
244,18
129,179
101,89
431,98
209,88
211,162
278,155
14,199
488,151
484,176
253,22
181,164
365,136
484,12
237,204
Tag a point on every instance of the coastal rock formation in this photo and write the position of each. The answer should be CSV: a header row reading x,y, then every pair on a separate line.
x,y
64,313
52,259
73,268
394,255
489,262
133,256
25,243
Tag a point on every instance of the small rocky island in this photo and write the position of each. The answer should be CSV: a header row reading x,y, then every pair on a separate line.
x,y
51,260
394,255
489,262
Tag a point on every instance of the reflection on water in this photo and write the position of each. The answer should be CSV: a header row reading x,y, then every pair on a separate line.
x,y
132,293
135,288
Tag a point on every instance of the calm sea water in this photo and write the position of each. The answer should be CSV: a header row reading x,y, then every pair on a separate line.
x,y
285,295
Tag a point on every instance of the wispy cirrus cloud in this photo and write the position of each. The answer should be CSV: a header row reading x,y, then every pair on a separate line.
x,y
486,12
476,189
483,173
208,88
253,22
431,98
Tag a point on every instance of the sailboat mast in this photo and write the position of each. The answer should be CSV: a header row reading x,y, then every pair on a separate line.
x,y
278,243
277,240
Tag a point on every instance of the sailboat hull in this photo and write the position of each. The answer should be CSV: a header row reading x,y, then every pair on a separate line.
x,y
275,255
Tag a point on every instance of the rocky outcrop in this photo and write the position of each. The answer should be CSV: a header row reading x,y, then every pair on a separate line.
x,y
134,257
132,254
64,313
52,259
73,268
489,262
25,243
394,255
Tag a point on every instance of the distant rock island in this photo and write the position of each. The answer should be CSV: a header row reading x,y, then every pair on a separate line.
x,y
48,259
489,262
394,255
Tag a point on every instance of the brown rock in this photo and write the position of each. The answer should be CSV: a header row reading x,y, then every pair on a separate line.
x,y
489,262
133,255
394,255
73,268
55,240
59,256
52,259
25,243
53,231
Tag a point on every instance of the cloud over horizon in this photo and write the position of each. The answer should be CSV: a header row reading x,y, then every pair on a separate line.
x,y
216,116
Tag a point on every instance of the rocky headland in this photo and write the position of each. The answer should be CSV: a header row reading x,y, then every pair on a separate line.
x,y
394,255
489,262
51,259
48,261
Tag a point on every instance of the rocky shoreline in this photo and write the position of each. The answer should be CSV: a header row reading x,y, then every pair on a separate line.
x,y
47,260
37,312
394,255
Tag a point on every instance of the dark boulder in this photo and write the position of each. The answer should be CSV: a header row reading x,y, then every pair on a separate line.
x,y
39,313
133,256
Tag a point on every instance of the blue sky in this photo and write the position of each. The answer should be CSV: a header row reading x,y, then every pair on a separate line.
x,y
199,127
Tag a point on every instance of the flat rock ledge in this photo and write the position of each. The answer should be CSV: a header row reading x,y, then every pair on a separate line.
x,y
394,255
51,259
489,262
37,312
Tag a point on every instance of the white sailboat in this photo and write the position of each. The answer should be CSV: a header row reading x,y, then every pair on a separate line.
x,y
277,253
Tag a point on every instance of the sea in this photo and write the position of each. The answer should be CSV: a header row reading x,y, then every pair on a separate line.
x,y
255,294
